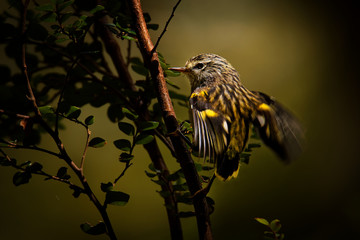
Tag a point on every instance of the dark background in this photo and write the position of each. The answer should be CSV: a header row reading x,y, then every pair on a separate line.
x,y
301,52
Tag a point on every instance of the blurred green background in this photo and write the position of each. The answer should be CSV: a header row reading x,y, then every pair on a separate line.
x,y
301,52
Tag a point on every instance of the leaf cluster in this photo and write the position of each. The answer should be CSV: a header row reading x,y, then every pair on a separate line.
x,y
273,229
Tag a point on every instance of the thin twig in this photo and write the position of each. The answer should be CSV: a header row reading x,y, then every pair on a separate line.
x,y
166,26
42,173
17,146
14,114
67,79
123,172
31,96
57,140
88,132
167,143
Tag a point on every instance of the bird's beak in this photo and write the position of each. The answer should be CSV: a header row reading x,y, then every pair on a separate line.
x,y
179,69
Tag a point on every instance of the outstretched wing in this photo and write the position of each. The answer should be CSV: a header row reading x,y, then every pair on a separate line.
x,y
211,129
278,128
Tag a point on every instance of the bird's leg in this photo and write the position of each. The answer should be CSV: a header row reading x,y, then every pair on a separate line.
x,y
204,191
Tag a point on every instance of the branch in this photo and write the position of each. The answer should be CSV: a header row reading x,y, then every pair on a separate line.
x,y
123,172
112,47
88,132
31,96
55,136
166,25
183,155
2,111
42,173
67,78
16,146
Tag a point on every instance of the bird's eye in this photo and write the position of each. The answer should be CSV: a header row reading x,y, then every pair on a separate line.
x,y
199,66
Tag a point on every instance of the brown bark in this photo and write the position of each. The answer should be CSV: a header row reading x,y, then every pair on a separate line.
x,y
152,61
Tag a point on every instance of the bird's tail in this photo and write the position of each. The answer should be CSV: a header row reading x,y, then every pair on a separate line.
x,y
278,128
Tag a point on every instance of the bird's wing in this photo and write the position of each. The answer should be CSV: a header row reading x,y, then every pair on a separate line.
x,y
211,129
278,128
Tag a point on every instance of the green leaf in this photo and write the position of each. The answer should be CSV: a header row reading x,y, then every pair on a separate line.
x,y
45,110
140,69
152,167
49,17
89,120
117,198
143,139
136,61
171,73
5,162
35,167
180,187
115,113
106,187
129,114
65,5
66,16
125,157
149,125
128,38
25,164
77,191
275,225
159,182
98,229
153,26
21,178
97,142
73,113
45,7
198,167
96,9
149,174
263,221
126,128
172,84
164,194
123,144
62,173
60,40
175,176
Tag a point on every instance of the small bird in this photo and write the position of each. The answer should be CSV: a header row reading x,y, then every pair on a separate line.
x,y
223,111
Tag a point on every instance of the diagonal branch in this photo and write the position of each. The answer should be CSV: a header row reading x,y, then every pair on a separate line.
x,y
152,61
112,47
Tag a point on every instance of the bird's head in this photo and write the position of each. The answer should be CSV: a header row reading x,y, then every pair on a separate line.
x,y
208,69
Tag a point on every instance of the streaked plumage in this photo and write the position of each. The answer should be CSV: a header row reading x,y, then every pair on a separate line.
x,y
223,111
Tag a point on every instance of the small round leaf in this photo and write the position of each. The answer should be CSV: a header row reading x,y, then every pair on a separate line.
x,y
123,144
149,125
117,198
98,229
126,128
89,120
97,142
144,139
262,221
